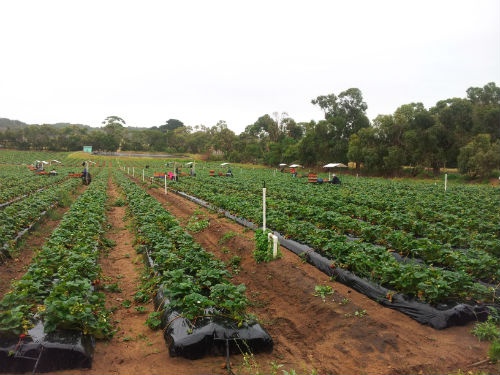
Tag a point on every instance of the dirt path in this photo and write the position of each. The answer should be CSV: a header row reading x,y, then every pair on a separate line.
x,y
135,348
346,334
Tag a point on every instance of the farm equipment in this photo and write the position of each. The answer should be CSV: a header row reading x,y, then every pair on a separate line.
x,y
38,167
85,176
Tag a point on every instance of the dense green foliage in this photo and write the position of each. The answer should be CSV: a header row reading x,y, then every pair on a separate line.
x,y
195,283
449,241
57,290
456,132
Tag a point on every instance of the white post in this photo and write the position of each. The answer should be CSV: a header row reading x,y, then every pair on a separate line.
x,y
133,171
143,175
445,181
264,207
275,244
165,178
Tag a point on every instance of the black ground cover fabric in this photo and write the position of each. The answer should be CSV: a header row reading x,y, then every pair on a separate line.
x,y
40,352
210,335
460,314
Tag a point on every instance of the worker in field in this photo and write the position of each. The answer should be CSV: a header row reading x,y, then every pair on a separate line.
x,y
335,180
86,178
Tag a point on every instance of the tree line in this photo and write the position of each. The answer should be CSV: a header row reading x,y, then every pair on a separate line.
x,y
461,133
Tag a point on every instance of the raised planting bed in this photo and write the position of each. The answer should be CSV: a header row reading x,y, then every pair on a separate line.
x,y
199,309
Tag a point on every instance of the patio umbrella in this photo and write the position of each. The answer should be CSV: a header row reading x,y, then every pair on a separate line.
x,y
333,165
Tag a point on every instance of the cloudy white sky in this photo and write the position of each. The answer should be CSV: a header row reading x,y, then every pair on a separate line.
x,y
202,61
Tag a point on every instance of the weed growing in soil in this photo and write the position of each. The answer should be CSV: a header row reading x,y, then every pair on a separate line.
x,y
154,320
64,199
119,202
235,263
357,313
494,351
197,222
226,237
323,291
113,288
486,331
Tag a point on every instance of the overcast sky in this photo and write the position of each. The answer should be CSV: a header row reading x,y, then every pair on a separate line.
x,y
201,61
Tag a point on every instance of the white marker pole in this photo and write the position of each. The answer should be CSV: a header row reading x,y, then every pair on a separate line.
x,y
264,207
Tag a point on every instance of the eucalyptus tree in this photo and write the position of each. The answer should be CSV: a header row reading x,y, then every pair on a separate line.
x,y
480,156
114,129
486,110
365,147
345,115
223,138
316,146
247,149
171,124
198,141
292,129
455,117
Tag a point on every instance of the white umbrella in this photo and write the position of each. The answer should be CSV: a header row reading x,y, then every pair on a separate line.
x,y
223,164
295,165
282,165
334,165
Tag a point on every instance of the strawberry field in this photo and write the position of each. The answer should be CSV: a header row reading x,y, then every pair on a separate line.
x,y
414,237
435,247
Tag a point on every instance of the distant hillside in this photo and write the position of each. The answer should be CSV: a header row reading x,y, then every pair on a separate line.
x,y
60,125
16,124
6,123
12,124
